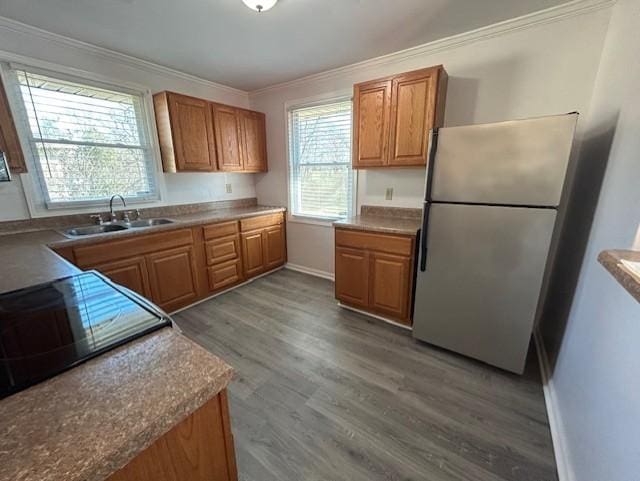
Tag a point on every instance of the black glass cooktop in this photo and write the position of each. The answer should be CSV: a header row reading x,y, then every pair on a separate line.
x,y
52,327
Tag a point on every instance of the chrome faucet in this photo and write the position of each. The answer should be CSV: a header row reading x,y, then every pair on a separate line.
x,y
112,215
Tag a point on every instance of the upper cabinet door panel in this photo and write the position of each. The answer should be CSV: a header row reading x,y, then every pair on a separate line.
x,y
228,137
392,118
412,113
254,141
372,107
192,133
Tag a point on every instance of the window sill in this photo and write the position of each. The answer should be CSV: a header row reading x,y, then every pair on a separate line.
x,y
317,221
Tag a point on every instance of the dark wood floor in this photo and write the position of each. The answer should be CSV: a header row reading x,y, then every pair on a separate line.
x,y
322,393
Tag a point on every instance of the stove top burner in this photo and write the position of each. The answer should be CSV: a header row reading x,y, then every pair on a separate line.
x,y
52,327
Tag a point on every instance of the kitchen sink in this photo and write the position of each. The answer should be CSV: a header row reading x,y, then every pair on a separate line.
x,y
115,226
147,223
95,229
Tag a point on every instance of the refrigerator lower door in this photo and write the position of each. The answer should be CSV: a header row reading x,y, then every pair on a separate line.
x,y
479,291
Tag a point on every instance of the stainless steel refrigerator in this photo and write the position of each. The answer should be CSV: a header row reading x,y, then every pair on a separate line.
x,y
491,204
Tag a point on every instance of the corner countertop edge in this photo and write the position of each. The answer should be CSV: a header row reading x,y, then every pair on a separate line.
x,y
612,261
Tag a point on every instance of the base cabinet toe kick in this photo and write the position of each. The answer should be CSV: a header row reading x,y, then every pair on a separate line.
x,y
375,273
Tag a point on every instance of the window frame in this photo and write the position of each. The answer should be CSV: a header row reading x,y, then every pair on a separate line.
x,y
290,106
32,181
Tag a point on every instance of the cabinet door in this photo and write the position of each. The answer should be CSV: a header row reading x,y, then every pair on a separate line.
x,y
274,246
192,128
413,104
254,141
390,285
9,142
253,253
130,273
352,276
200,448
172,277
226,121
371,112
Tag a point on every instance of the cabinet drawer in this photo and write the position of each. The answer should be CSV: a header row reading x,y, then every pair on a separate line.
x,y
262,221
392,244
220,230
222,250
223,275
132,246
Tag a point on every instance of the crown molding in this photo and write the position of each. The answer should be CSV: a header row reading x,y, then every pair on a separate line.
x,y
549,15
111,55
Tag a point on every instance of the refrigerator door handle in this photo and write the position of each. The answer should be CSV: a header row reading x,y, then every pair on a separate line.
x,y
433,148
423,237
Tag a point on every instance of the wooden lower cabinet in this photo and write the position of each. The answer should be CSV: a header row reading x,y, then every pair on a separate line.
x,y
274,246
352,276
130,273
264,249
200,448
375,273
177,268
390,279
253,253
172,277
224,275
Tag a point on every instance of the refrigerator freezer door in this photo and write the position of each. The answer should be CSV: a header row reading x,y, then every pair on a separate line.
x,y
521,162
479,292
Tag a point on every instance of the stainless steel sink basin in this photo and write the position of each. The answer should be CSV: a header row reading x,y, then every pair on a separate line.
x,y
95,229
147,223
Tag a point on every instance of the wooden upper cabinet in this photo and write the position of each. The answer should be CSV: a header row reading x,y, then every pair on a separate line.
x,y
254,142
227,127
185,131
393,117
9,143
201,136
372,102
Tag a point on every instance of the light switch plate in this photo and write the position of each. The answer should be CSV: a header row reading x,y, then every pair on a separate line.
x,y
228,187
388,194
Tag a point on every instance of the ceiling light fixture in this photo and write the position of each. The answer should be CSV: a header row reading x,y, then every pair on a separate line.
x,y
259,5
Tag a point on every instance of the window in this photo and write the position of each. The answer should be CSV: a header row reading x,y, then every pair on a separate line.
x,y
88,142
320,174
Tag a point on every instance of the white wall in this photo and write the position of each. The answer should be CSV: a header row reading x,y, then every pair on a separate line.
x,y
595,381
17,39
534,67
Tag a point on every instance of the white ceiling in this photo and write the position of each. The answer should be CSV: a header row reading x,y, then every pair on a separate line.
x,y
224,41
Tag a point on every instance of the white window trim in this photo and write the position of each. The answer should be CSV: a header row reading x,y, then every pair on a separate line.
x,y
29,180
289,105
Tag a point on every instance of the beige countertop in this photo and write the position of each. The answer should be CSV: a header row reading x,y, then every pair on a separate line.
x,y
623,265
383,224
26,259
85,424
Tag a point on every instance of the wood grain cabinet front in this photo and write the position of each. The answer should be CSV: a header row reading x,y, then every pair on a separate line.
x,y
172,277
352,276
392,118
130,273
185,131
264,245
200,448
375,272
9,143
201,136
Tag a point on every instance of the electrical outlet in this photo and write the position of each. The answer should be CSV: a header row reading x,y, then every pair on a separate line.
x,y
388,194
229,189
